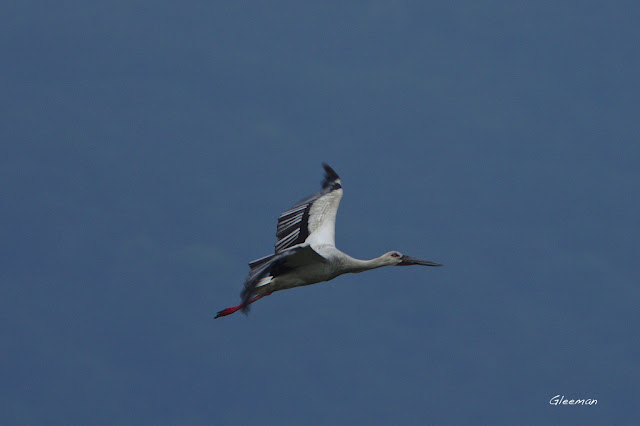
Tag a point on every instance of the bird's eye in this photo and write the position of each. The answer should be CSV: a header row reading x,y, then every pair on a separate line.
x,y
395,254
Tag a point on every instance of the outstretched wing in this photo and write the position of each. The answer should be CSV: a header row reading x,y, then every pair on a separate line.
x,y
314,216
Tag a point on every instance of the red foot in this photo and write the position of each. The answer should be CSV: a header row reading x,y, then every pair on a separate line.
x,y
229,311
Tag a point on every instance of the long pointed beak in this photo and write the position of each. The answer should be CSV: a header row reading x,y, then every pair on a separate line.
x,y
408,260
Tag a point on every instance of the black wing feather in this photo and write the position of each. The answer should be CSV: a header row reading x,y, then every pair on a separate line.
x,y
293,225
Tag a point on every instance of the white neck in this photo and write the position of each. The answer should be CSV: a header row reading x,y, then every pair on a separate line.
x,y
358,265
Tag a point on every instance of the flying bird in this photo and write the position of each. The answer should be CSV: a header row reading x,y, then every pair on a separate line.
x,y
306,253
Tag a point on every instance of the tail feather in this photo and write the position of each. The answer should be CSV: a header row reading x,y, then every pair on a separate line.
x,y
259,275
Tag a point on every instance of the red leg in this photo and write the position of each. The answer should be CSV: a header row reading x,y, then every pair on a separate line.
x,y
229,311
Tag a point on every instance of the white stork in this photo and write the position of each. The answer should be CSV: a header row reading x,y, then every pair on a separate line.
x,y
306,252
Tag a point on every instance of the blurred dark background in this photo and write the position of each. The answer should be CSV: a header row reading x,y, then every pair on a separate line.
x,y
148,148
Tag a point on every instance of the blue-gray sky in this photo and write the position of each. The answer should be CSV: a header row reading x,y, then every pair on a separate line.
x,y
148,148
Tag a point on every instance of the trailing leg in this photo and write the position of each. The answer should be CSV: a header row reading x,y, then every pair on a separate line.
x,y
229,311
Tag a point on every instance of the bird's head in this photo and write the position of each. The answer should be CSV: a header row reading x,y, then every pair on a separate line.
x,y
396,258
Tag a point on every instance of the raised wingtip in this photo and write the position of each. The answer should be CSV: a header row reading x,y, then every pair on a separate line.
x,y
330,175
